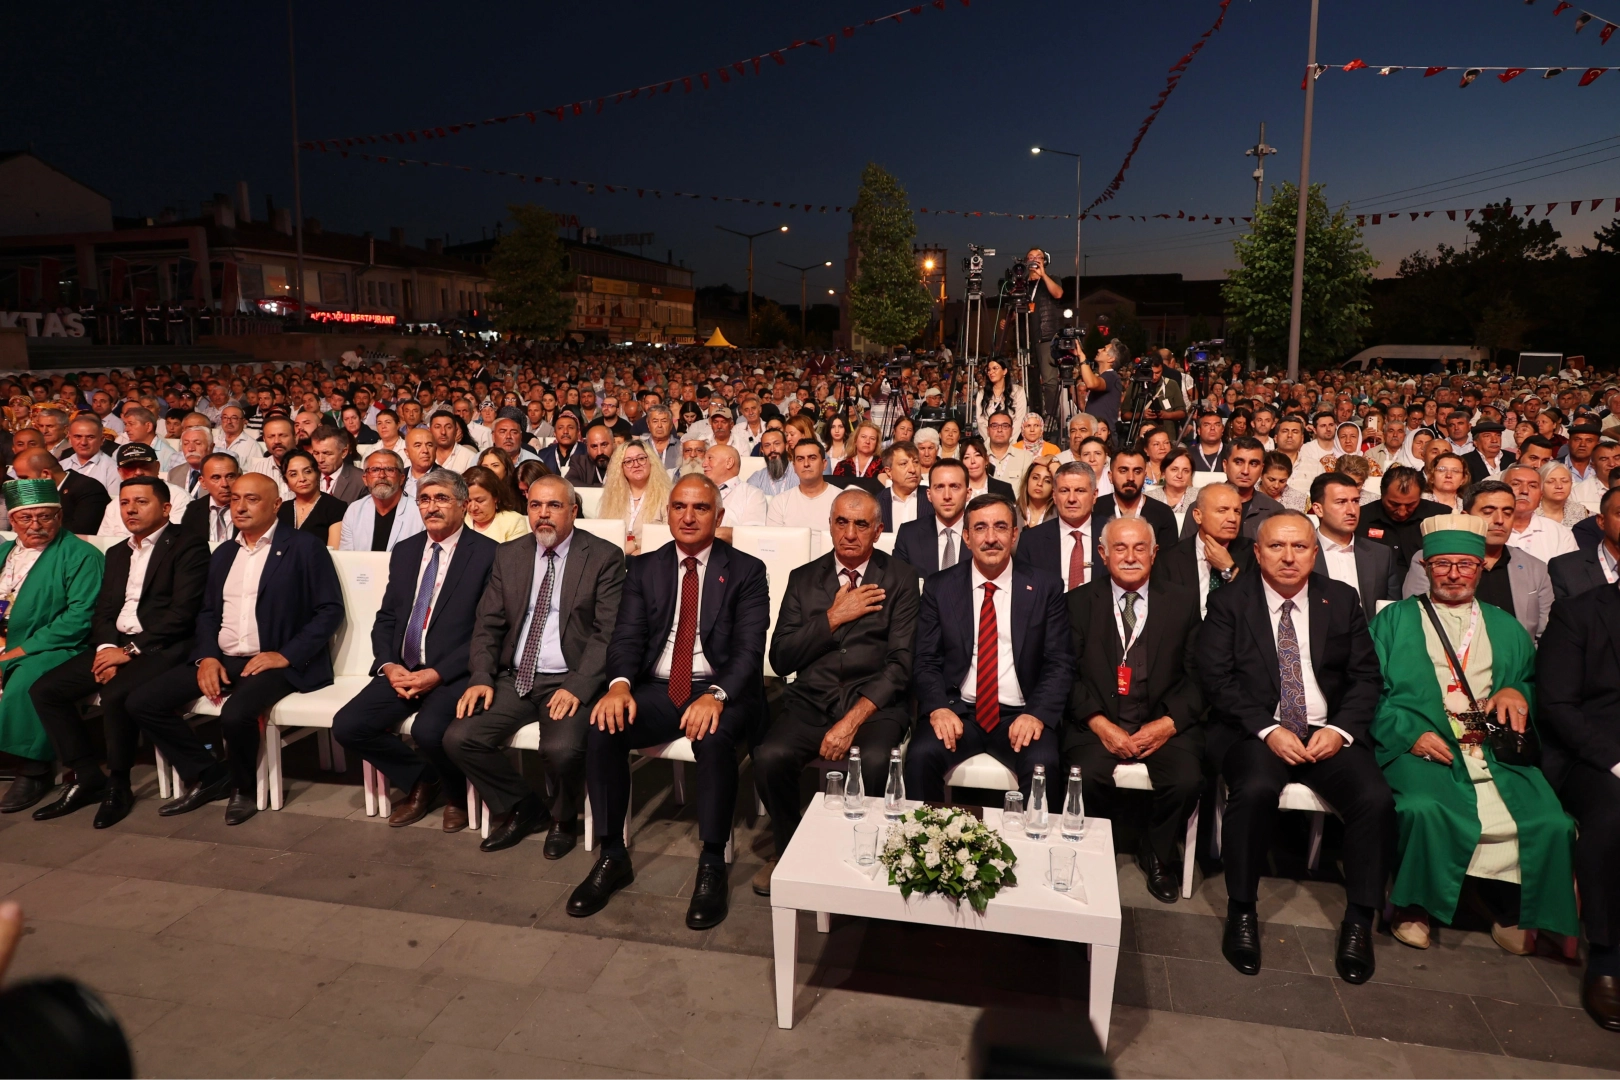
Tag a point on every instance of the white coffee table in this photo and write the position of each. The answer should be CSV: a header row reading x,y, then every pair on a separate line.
x,y
813,875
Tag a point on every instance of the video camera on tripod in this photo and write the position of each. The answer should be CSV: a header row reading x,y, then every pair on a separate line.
x,y
973,264
1066,353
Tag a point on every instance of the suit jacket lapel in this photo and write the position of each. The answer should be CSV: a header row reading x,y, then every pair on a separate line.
x,y
1103,626
1153,634
452,576
164,550
1366,574
714,585
1022,608
272,562
1260,630
1608,609
1316,596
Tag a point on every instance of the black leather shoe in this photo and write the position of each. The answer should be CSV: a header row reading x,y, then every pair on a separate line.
x,y
709,897
1601,996
526,817
74,797
1240,943
1354,960
610,874
201,795
241,808
116,803
559,841
1161,883
24,792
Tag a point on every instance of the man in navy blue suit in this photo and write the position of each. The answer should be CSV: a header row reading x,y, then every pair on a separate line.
x,y
686,658
419,654
1070,544
934,542
994,659
269,611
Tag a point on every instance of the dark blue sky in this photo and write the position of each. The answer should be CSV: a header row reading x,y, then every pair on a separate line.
x,y
165,103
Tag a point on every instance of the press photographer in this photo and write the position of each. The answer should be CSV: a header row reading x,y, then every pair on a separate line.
x,y
1044,323
1157,396
1101,380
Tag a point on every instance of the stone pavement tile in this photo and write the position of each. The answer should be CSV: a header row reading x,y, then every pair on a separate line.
x,y
1285,998
449,1060
1408,1014
1142,981
137,856
1550,1033
49,843
396,939
1149,1042
742,887
1297,902
361,841
803,1051
748,931
1563,977
640,1033
631,916
138,904
136,1014
56,893
578,961
666,875
1443,966
271,829
1198,937
506,954
338,880
194,1041
1312,1054
1433,1061
481,897
232,866
319,799
362,1000
709,981
479,1013
14,876
253,919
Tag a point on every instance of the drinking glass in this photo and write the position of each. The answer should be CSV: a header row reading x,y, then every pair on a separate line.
x,y
865,844
834,800
1012,813
1062,868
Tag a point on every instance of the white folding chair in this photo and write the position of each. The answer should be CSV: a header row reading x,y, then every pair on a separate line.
x,y
590,500
782,550
1293,797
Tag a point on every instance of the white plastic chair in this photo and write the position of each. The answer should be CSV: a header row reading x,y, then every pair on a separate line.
x,y
1293,797
590,499
782,550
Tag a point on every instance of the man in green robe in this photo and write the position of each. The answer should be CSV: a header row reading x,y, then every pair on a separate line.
x,y
1464,816
49,580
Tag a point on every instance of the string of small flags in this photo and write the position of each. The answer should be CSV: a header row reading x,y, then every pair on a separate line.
x,y
1488,212
1583,18
704,80
1470,73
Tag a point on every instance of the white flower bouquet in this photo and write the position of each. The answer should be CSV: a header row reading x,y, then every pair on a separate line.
x,y
949,852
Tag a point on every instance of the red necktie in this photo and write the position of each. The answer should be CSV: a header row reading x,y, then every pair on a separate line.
x,y
680,665
853,576
987,704
1077,562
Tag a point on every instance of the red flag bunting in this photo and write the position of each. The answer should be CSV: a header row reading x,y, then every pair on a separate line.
x,y
1607,32
1510,74
1563,6
1433,71
1591,75
1355,65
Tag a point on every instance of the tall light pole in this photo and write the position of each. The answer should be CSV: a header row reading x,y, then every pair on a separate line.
x,y
803,270
750,238
1295,306
1079,204
298,186
1260,151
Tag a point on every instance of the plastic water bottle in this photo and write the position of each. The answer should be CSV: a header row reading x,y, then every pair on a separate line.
x,y
1036,822
894,792
854,795
1074,809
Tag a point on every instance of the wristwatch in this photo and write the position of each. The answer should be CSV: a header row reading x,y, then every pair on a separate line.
x,y
718,692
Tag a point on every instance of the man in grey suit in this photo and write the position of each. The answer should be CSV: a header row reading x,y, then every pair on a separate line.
x,y
1576,572
1514,581
339,479
1365,566
539,653
196,443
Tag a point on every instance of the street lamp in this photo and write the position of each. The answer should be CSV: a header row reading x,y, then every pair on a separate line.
x,y
803,270
750,238
1078,212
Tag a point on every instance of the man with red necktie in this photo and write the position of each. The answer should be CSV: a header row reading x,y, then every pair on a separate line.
x,y
686,659
994,659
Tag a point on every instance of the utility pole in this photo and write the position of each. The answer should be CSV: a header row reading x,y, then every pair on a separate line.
x,y
803,270
1260,151
750,238
1296,304
298,187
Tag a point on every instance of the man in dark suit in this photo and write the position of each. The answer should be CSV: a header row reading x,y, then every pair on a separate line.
x,y
685,659
1578,677
1244,465
208,516
270,608
560,454
1127,472
1367,567
904,469
338,478
589,469
1289,671
993,662
84,500
1135,698
144,619
419,654
1586,568
1214,555
846,628
539,654
1068,544
935,542
1487,459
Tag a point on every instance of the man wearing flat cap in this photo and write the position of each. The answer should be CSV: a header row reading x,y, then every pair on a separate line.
x,y
138,459
1487,459
49,579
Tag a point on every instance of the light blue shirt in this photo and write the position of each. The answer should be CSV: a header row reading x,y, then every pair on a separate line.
x,y
762,480
551,654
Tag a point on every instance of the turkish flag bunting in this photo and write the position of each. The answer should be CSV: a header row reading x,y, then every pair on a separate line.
x,y
1433,71
1607,32
1595,204
1452,214
1510,74
1355,65
1591,75
1563,6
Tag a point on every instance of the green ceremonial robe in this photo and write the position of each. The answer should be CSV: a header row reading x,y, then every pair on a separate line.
x,y
50,622
1435,805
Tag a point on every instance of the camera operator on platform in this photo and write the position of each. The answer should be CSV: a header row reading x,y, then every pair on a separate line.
x,y
1161,398
1044,323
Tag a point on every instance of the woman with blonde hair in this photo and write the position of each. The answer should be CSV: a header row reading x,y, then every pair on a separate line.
x,y
491,507
1035,497
863,461
634,492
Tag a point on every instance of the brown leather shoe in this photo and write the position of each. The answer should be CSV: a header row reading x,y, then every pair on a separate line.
x,y
1601,996
455,817
416,805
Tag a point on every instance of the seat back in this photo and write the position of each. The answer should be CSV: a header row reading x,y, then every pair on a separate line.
x,y
749,466
885,543
609,529
590,499
782,551
364,577
654,535
1199,479
105,543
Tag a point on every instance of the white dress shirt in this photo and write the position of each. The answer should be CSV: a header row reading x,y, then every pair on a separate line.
x,y
744,504
1544,538
954,532
903,510
128,621
460,459
1606,563
244,448
1316,707
700,663
100,468
239,615
112,518
220,525
1201,564
1125,640
1339,560
550,660
1066,542
1006,671
447,551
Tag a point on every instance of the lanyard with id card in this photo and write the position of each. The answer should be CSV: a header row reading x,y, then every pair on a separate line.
x,y
1122,673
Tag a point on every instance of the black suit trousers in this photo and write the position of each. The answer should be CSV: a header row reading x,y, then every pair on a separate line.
x,y
794,741
156,707
928,760
1175,769
658,721
57,693
477,744
1592,798
366,726
1350,781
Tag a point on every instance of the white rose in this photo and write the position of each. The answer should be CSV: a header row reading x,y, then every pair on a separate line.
x,y
969,872
931,858
907,862
962,855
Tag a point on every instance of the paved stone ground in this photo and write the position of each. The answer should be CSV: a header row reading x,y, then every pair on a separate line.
x,y
317,942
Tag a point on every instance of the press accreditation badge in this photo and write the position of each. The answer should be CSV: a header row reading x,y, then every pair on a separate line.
x,y
1122,675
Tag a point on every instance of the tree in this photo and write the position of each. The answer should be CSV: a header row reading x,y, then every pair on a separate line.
x,y
1338,269
771,325
888,303
529,275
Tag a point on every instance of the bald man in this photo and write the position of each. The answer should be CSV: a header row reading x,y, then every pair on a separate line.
x,y
84,500
744,504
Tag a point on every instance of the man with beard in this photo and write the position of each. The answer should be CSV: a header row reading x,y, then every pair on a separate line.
x,y
590,468
559,455
279,437
777,476
693,448
383,517
1128,471
1396,519
507,435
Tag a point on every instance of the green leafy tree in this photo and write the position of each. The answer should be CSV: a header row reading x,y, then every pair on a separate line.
x,y
1338,271
888,303
529,275
771,325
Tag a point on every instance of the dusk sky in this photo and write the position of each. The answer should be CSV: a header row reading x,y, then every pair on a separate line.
x,y
163,104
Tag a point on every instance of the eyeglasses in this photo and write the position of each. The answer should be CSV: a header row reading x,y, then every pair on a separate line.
x,y
435,500
1459,567
41,517
381,470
